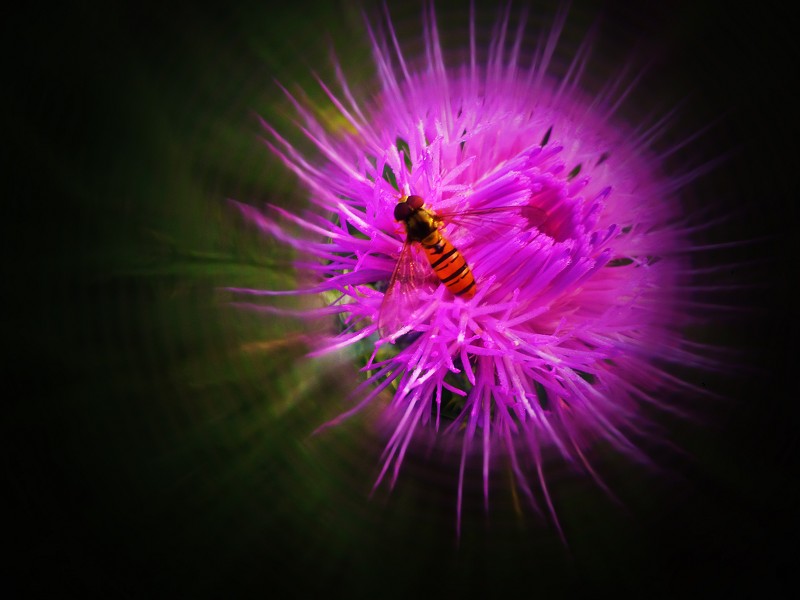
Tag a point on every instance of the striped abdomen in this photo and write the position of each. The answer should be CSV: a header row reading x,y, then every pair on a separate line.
x,y
449,266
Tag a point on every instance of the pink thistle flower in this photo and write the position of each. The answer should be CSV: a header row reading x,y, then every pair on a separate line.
x,y
578,255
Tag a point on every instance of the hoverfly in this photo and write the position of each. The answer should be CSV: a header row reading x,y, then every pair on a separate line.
x,y
423,227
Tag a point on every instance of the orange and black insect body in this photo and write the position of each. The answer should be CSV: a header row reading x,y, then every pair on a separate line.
x,y
422,227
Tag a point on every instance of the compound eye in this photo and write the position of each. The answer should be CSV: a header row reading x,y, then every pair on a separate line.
x,y
415,202
402,211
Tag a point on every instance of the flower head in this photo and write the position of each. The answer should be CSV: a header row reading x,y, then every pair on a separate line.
x,y
572,234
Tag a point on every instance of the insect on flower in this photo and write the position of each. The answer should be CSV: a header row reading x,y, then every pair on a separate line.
x,y
423,227
556,288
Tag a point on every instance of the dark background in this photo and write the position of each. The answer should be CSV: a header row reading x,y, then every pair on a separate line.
x,y
156,441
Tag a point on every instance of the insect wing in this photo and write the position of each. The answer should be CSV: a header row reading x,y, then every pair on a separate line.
x,y
402,297
498,220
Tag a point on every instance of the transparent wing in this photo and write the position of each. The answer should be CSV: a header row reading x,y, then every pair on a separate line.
x,y
403,296
498,220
